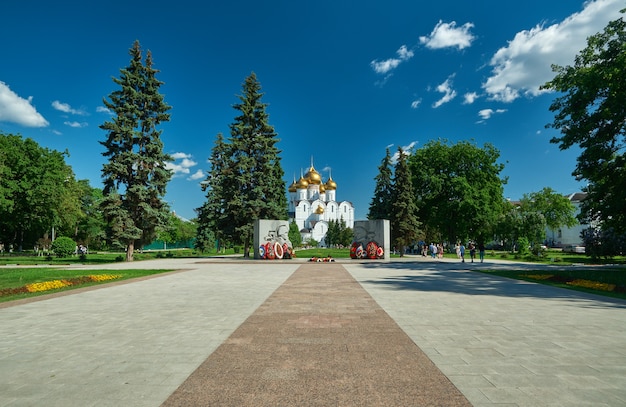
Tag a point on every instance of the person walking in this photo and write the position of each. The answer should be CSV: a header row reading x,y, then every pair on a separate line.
x,y
462,252
472,249
481,251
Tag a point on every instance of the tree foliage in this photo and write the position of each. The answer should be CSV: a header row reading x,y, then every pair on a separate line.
x,y
37,191
64,246
135,176
338,234
380,207
590,114
556,209
245,181
518,223
458,190
212,222
404,222
294,234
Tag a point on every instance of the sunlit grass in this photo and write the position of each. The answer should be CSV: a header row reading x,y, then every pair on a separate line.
x,y
17,283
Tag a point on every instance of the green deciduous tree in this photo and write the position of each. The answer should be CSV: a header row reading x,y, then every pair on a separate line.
x,y
91,228
556,209
517,223
246,182
380,207
294,234
404,223
36,191
458,190
590,114
135,176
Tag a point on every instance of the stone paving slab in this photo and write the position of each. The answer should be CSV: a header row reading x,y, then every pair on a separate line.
x,y
126,345
319,340
506,342
500,342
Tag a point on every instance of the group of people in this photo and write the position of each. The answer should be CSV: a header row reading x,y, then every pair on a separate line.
x,y
435,250
471,246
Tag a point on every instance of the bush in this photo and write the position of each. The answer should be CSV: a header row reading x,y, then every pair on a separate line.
x,y
63,247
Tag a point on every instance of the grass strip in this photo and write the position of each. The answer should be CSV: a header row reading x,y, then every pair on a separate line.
x,y
23,282
609,282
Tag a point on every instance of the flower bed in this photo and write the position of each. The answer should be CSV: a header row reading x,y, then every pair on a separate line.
x,y
594,285
56,284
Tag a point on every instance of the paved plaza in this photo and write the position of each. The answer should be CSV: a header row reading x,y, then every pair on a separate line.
x,y
228,332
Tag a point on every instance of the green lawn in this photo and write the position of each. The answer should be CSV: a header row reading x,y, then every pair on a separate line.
x,y
14,280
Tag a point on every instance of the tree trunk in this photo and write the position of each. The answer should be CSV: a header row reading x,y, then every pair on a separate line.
x,y
129,250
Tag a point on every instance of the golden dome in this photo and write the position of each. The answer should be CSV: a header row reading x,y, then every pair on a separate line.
x,y
313,176
293,186
319,210
302,183
330,184
322,188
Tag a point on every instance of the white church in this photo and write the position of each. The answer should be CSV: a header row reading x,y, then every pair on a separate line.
x,y
313,203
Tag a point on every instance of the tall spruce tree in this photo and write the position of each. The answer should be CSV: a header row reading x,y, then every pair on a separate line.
x,y
249,185
212,224
380,207
404,223
135,176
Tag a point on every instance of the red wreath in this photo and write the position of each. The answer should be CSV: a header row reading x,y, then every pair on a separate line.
x,y
380,252
278,249
371,250
269,251
353,250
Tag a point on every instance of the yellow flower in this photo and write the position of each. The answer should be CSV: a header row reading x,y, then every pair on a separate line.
x,y
104,277
595,285
46,285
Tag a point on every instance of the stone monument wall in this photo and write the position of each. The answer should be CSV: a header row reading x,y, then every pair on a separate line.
x,y
271,239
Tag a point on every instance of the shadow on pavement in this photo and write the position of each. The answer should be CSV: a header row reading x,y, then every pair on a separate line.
x,y
456,278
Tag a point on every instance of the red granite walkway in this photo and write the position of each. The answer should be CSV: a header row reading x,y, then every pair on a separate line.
x,y
319,340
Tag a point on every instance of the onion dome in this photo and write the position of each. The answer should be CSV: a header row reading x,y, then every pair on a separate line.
x,y
330,184
319,210
302,183
293,186
322,188
313,176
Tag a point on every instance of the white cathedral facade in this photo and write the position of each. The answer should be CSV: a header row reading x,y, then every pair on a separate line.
x,y
313,203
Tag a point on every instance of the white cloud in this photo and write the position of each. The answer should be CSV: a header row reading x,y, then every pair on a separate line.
x,y
196,176
447,35
15,109
448,92
416,103
470,98
182,164
486,114
383,67
180,156
102,109
406,150
66,108
524,64
75,124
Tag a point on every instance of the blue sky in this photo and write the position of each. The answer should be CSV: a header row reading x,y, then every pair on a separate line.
x,y
343,80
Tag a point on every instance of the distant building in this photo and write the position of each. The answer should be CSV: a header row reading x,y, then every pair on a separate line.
x,y
566,236
313,203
